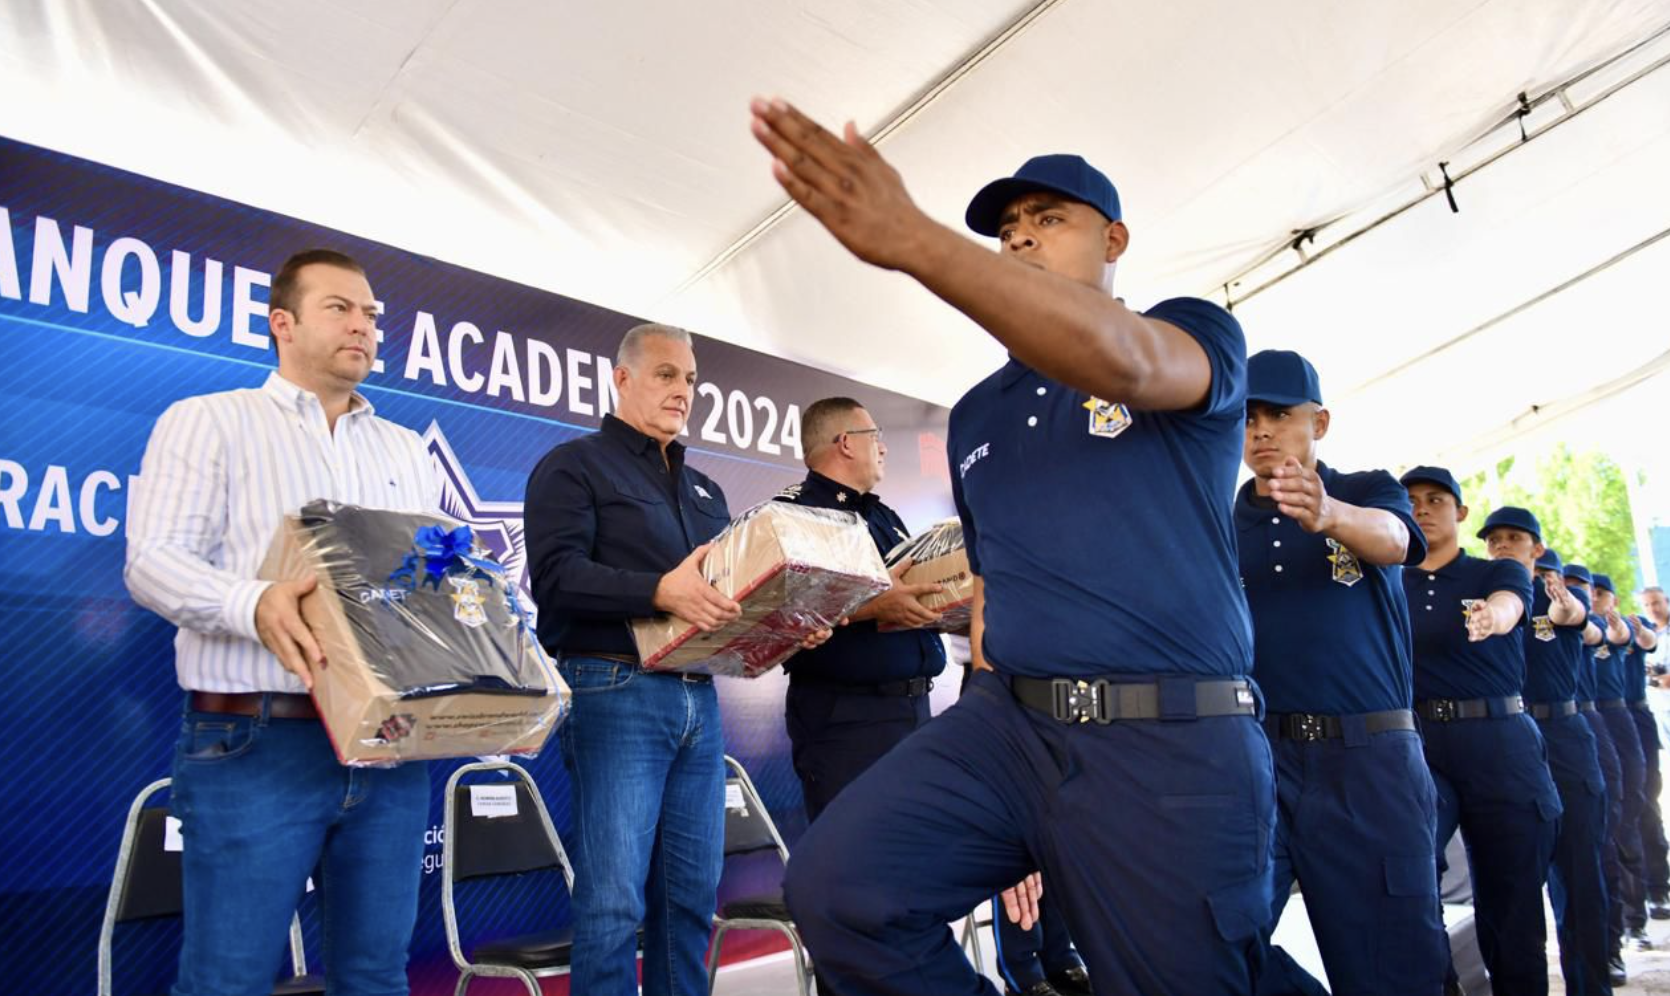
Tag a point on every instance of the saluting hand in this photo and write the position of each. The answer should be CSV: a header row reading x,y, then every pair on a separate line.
x,y
1300,496
686,593
1558,593
279,622
1481,621
842,182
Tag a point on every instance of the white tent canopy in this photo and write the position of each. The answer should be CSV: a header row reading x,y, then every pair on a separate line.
x,y
602,151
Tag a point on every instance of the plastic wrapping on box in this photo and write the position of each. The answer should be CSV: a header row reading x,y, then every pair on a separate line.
x,y
939,557
429,652
795,570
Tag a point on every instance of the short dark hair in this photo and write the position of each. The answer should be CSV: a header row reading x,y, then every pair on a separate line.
x,y
285,293
818,422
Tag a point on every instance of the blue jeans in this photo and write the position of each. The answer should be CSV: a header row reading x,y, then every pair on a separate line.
x,y
646,770
263,804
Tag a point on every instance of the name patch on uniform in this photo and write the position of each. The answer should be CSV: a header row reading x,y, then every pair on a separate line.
x,y
1347,570
1543,628
974,456
1107,418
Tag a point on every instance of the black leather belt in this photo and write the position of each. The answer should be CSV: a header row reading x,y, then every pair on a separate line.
x,y
1310,726
1085,700
281,705
909,688
1586,705
1641,706
1553,710
1449,710
1609,705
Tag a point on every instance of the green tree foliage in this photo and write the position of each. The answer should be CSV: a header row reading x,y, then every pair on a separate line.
x,y
1581,501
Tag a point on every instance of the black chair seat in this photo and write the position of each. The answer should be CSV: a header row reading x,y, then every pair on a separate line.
x,y
763,906
548,949
300,985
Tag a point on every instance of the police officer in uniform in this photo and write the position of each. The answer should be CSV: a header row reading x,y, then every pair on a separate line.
x,y
1484,750
1653,845
1578,580
1114,744
1322,554
1553,647
1611,659
856,697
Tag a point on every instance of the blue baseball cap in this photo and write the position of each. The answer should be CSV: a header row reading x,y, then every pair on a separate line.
x,y
1069,176
1512,517
1282,377
1604,583
1579,572
1550,561
1432,475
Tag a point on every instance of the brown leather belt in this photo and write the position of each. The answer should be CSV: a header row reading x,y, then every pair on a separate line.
x,y
284,705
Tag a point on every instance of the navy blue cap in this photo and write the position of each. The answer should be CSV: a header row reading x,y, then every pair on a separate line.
x,y
1550,561
1432,475
1579,572
1282,377
1069,176
1604,583
1512,517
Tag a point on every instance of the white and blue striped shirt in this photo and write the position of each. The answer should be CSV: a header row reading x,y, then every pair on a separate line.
x,y
220,472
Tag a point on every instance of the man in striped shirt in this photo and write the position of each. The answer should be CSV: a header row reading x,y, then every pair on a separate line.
x,y
262,800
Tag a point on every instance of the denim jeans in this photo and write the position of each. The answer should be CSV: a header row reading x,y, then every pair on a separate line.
x,y
646,769
263,804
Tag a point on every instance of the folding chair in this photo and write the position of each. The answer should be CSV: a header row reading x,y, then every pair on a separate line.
x,y
146,885
749,830
481,847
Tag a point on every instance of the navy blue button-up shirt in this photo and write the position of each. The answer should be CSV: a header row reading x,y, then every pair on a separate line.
x,y
1553,653
1610,661
1330,631
1104,535
1635,667
1586,678
859,653
1447,664
606,517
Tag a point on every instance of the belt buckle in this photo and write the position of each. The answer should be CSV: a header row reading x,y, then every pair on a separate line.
x,y
1307,727
917,687
1444,710
1078,701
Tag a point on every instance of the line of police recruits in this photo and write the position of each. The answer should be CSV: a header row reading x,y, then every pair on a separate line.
x,y
1111,766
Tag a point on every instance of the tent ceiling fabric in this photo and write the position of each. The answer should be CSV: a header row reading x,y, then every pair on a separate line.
x,y
601,151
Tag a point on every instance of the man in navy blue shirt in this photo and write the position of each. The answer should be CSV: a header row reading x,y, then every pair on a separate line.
x,y
1113,743
1485,752
617,526
1611,662
1553,648
1322,555
1653,845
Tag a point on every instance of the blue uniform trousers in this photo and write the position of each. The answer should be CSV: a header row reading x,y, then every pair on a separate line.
x,y
1493,782
1612,770
1355,826
1655,851
1627,832
835,735
1154,838
1576,879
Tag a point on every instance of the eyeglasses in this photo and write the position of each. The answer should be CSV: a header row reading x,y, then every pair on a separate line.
x,y
860,432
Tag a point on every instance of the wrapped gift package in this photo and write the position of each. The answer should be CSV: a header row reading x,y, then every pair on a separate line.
x,y
939,557
795,570
428,650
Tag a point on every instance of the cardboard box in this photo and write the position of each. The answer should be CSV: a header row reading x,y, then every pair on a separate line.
x,y
939,557
795,570
440,664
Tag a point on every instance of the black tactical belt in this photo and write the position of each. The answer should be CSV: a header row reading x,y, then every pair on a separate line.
x,y
1310,726
910,688
1553,710
1586,706
1449,710
1640,706
1085,700
1609,705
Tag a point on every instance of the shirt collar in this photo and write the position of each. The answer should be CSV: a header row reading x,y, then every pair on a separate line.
x,y
835,494
1013,372
295,398
636,441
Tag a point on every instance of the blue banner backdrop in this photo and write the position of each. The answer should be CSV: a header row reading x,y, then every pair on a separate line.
x,y
120,294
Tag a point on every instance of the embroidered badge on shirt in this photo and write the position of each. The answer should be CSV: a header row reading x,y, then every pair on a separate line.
x,y
1107,418
1542,628
1347,570
1603,653
1467,607
468,607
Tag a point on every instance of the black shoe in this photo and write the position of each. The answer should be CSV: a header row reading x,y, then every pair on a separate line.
x,y
1619,976
1036,989
1639,938
1074,981
1658,906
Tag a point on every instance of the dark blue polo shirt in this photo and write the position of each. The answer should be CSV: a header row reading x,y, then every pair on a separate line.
x,y
1610,661
1635,666
1553,653
1447,666
1587,678
858,653
1104,535
1330,631
606,517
